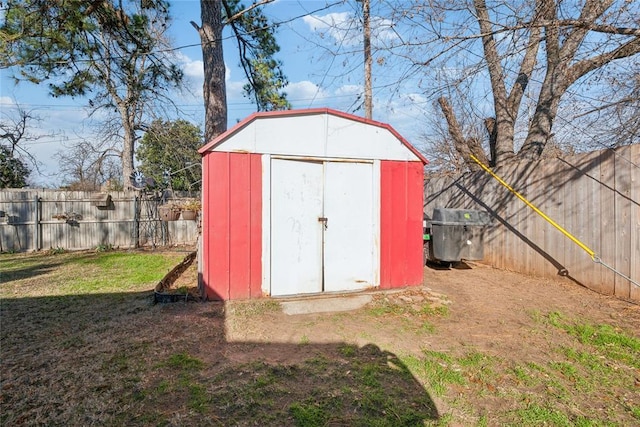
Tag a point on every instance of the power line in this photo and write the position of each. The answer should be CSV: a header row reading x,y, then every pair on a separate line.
x,y
187,46
72,107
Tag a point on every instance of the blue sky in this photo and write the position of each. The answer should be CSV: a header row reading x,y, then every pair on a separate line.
x,y
316,78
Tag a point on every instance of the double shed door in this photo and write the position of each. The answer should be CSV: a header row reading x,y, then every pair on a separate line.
x,y
322,226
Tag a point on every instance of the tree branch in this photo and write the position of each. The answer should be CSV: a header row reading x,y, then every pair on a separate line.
x,y
465,147
592,10
588,25
526,68
492,57
231,18
552,41
587,65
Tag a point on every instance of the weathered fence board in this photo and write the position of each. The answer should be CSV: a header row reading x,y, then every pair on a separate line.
x,y
594,196
42,219
634,195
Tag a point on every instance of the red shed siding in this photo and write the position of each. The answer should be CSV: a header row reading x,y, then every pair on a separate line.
x,y
401,193
232,225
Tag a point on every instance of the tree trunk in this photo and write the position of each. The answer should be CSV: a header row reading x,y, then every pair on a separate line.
x,y
127,153
368,92
490,125
504,135
214,87
563,70
464,146
503,131
542,121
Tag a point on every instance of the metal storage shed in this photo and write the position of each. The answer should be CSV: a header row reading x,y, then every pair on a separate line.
x,y
309,201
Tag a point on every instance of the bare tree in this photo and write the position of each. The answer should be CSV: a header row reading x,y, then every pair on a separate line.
x,y
566,63
17,133
89,165
112,50
575,42
540,59
620,110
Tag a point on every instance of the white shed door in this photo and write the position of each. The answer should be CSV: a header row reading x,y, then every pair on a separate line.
x,y
348,207
296,234
308,253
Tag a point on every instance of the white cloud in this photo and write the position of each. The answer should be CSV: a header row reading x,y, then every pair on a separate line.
x,y
328,21
302,93
6,100
346,30
349,90
382,32
191,67
234,90
341,27
194,69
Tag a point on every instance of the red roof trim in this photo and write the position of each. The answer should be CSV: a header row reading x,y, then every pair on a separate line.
x,y
303,112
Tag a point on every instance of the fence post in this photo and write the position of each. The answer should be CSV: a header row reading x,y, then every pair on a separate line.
x,y
136,220
36,223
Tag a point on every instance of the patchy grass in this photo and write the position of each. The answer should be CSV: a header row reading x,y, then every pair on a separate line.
x,y
247,309
416,314
438,369
368,387
595,370
82,344
184,362
79,273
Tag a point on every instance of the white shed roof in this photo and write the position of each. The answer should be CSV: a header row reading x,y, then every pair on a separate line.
x,y
315,133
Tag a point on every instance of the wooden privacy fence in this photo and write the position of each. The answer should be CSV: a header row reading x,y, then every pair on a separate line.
x,y
595,196
42,219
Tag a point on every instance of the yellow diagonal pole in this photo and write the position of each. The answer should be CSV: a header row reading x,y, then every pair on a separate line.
x,y
574,239
591,253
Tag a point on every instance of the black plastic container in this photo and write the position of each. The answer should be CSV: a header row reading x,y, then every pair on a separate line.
x,y
457,234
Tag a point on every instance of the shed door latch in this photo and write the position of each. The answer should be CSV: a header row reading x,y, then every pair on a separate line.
x,y
324,221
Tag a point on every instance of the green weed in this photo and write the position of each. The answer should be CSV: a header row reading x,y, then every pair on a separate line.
x,y
440,310
308,415
348,350
104,248
522,375
612,343
198,399
162,387
554,318
384,308
438,369
184,361
537,415
368,375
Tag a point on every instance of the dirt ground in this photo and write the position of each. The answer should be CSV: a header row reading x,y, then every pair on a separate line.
x,y
118,358
489,309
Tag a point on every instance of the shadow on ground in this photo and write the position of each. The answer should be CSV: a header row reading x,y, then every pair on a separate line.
x,y
117,359
445,265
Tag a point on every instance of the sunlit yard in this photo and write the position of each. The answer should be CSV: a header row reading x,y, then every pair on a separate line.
x,y
82,343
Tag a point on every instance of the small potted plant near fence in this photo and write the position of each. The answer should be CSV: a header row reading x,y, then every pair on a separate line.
x,y
169,212
190,209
